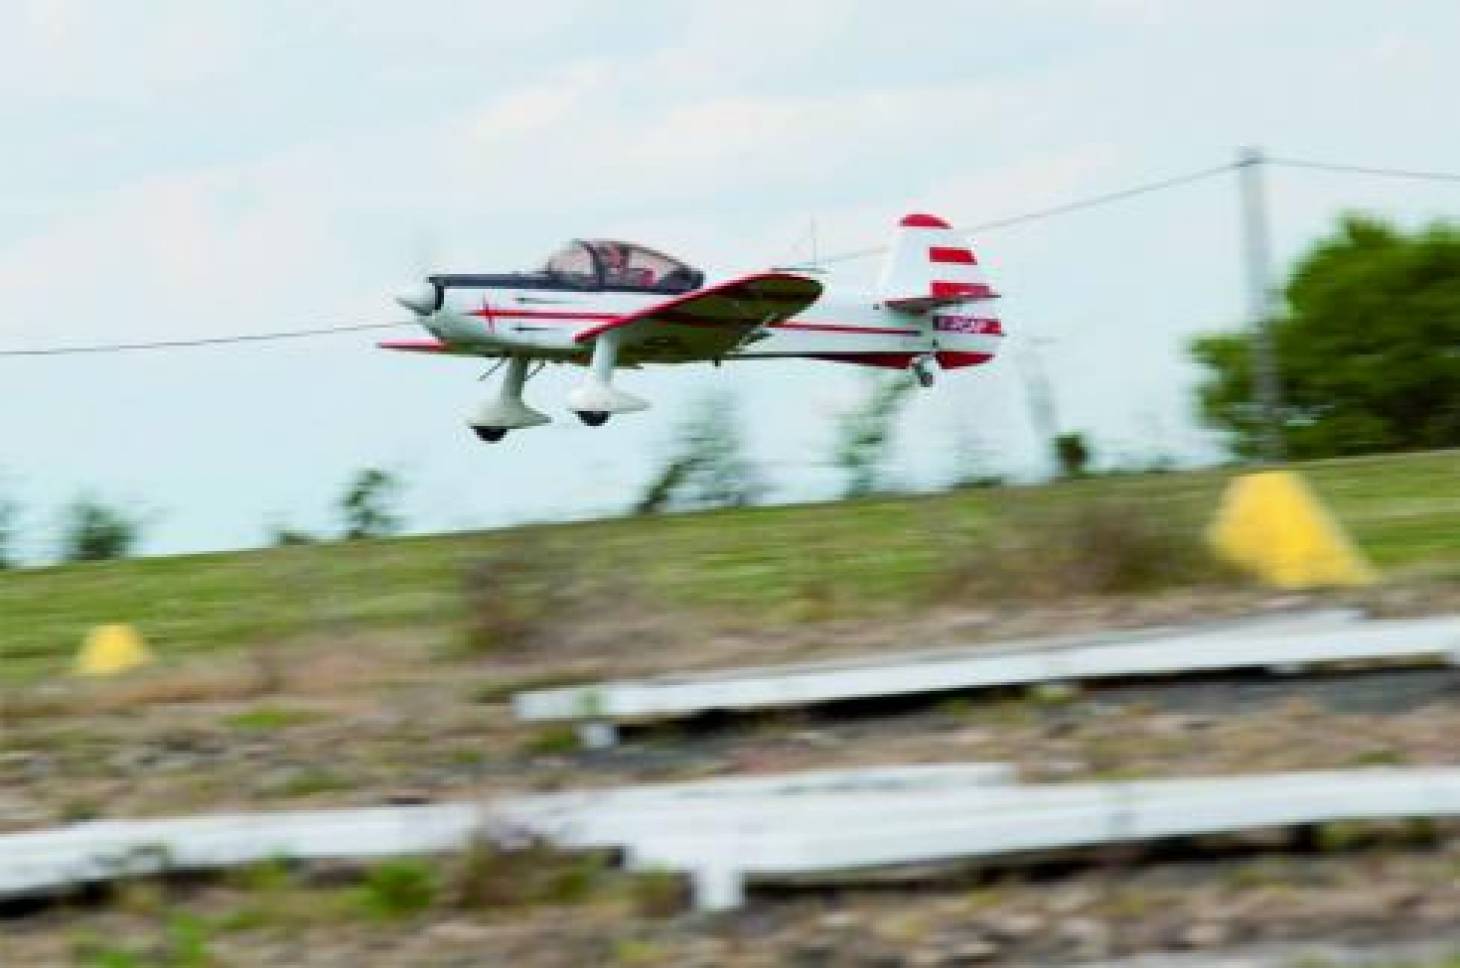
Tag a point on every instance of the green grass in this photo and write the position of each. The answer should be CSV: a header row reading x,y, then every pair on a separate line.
x,y
762,565
265,719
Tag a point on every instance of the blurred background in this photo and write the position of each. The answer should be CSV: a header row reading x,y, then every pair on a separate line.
x,y
329,591
226,169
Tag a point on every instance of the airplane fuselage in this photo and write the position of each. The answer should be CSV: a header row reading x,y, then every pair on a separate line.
x,y
495,320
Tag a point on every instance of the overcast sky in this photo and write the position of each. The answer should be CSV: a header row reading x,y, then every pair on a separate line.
x,y
181,169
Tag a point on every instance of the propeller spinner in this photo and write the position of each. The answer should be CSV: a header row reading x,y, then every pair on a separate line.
x,y
422,299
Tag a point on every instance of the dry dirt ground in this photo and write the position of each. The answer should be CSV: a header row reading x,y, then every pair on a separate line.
x,y
363,720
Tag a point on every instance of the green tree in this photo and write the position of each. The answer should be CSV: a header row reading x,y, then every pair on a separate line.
x,y
92,531
708,468
1073,452
865,434
1368,348
367,508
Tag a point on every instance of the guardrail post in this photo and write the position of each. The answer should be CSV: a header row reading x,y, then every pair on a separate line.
x,y
717,887
598,735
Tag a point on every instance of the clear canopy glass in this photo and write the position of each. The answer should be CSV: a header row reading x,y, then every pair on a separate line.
x,y
611,264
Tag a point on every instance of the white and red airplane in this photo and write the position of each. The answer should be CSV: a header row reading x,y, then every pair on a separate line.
x,y
606,304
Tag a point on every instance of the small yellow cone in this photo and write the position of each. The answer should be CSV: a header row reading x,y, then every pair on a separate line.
x,y
1272,525
111,649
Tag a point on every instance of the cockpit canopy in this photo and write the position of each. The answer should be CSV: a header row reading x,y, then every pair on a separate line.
x,y
624,266
589,264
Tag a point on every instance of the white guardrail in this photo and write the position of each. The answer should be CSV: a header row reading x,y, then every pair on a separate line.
x,y
723,832
1284,644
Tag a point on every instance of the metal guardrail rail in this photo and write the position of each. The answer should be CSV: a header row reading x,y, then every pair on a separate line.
x,y
1284,644
723,833
47,860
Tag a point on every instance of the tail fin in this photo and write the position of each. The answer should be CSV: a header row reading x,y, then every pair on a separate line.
x,y
930,266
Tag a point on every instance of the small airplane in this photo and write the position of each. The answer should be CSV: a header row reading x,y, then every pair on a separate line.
x,y
606,304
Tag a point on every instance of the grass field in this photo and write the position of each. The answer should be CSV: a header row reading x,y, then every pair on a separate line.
x,y
871,557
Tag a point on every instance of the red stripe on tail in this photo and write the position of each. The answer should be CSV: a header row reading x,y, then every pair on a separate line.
x,y
967,290
951,254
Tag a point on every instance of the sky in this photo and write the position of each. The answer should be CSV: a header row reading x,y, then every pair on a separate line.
x,y
184,169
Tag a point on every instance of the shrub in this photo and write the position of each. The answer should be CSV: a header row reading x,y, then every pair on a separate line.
x,y
399,889
367,508
552,741
515,597
1093,545
658,894
866,434
708,468
185,946
487,876
1073,453
92,531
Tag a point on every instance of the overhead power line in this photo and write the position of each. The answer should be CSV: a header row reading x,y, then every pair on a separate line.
x,y
1098,200
170,344
1092,201
1079,204
1445,176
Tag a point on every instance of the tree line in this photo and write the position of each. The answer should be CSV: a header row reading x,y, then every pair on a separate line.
x,y
94,530
1367,345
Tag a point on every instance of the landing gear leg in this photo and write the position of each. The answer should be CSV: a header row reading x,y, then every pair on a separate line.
x,y
922,368
508,411
596,398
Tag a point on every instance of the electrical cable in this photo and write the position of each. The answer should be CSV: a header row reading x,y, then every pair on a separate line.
x,y
1092,201
1081,204
1365,170
170,344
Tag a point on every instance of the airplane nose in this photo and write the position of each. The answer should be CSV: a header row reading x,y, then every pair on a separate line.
x,y
419,299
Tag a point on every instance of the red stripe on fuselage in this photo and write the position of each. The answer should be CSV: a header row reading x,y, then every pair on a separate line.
x,y
953,359
492,312
891,361
567,316
840,328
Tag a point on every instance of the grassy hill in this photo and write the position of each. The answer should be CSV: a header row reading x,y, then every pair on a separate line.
x,y
760,565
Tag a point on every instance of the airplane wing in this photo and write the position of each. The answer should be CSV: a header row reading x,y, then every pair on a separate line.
x,y
424,346
714,320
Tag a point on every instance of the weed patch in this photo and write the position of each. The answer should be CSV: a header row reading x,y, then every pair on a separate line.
x,y
398,889
1096,545
270,718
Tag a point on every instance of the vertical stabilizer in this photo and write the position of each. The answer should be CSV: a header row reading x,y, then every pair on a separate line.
x,y
929,265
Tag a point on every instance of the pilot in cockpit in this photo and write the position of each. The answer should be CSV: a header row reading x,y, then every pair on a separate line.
x,y
615,259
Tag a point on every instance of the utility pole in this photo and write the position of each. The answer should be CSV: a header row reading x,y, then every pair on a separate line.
x,y
1261,305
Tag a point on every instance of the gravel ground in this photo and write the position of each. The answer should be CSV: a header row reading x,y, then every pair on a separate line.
x,y
374,720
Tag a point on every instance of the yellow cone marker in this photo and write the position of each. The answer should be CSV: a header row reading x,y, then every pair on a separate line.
x,y
1272,525
111,649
